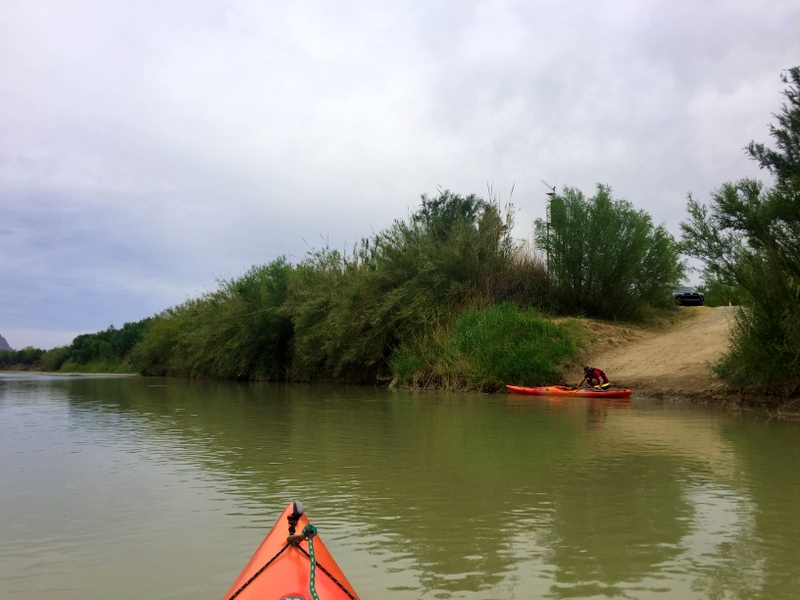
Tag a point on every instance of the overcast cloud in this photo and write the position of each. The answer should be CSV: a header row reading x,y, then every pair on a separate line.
x,y
150,148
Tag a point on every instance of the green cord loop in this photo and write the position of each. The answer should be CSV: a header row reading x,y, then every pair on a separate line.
x,y
310,531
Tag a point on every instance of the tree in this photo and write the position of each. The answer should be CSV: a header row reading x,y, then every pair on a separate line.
x,y
783,163
606,259
749,238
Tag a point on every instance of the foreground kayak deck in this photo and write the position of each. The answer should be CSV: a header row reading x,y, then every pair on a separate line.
x,y
282,566
560,390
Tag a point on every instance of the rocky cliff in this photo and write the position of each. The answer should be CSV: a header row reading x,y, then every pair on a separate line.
x,y
4,344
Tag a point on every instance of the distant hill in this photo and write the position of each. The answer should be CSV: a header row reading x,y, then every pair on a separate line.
x,y
4,344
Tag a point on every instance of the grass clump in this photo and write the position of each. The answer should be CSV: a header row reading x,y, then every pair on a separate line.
x,y
487,348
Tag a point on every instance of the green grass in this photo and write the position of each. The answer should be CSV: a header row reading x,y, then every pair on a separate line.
x,y
486,349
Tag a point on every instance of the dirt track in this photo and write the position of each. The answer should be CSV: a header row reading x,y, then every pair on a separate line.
x,y
675,360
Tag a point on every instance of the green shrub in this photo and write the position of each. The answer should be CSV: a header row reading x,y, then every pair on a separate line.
x,y
606,259
488,348
157,353
236,332
52,360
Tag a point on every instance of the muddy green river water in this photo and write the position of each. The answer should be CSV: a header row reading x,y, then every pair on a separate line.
x,y
131,488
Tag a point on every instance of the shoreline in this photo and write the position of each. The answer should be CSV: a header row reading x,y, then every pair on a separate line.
x,y
67,374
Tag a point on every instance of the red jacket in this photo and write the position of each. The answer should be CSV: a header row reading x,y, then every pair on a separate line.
x,y
596,373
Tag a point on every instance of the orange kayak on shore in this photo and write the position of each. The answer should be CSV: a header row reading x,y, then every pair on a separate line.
x,y
291,563
560,390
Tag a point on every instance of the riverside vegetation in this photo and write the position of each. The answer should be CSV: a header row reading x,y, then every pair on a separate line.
x,y
447,299
444,299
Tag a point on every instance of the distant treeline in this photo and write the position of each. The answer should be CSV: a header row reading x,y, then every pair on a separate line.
x,y
105,351
444,299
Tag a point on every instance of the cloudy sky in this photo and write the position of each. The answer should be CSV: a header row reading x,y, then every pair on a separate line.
x,y
149,148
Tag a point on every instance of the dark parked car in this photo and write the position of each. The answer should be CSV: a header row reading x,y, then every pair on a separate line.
x,y
688,296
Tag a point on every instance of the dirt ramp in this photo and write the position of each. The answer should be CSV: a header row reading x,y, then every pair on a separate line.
x,y
674,360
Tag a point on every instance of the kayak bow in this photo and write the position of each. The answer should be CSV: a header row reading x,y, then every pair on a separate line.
x,y
291,566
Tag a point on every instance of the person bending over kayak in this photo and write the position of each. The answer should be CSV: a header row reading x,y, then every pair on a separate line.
x,y
594,377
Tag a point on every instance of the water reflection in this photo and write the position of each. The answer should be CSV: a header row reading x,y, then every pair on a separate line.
x,y
462,496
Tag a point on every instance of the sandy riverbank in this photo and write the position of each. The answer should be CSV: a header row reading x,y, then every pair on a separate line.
x,y
675,358
673,361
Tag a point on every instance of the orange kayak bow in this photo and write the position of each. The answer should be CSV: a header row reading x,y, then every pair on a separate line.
x,y
291,563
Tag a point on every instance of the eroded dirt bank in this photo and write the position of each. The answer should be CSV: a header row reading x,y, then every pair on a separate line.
x,y
674,361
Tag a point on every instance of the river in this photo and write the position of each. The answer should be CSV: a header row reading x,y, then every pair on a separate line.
x,y
131,487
